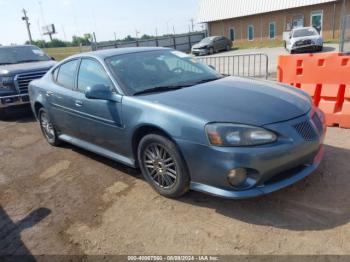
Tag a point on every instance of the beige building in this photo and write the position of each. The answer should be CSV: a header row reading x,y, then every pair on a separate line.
x,y
266,20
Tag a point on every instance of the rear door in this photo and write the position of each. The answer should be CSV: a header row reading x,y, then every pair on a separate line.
x,y
100,121
60,97
222,43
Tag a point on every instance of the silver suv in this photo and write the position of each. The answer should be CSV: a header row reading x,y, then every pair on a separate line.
x,y
304,39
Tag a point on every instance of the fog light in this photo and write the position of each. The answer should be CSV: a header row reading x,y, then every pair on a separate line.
x,y
237,177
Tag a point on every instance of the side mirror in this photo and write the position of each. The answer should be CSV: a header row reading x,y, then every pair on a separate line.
x,y
52,58
100,92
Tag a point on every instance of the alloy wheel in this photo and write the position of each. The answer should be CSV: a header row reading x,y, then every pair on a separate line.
x,y
160,166
47,126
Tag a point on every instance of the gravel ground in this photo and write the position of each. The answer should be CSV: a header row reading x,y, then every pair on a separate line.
x,y
69,201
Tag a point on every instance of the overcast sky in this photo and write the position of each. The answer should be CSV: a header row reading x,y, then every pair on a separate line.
x,y
76,17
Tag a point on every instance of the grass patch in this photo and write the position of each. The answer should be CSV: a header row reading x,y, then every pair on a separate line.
x,y
61,53
258,44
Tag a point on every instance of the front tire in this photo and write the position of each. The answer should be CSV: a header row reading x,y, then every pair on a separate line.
x,y
211,51
47,128
162,166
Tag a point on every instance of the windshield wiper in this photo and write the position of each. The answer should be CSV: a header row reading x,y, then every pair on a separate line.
x,y
160,89
6,63
175,87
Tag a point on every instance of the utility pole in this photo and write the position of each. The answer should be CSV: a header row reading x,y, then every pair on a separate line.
x,y
26,19
137,34
192,24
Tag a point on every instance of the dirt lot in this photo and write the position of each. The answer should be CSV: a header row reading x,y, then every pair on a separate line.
x,y
69,201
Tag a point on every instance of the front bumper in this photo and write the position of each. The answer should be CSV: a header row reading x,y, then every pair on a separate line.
x,y
200,51
307,48
264,189
14,100
279,165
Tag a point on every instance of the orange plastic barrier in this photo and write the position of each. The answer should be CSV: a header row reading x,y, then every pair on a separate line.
x,y
326,77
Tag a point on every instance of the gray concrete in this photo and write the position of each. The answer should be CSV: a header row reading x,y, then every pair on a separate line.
x,y
272,54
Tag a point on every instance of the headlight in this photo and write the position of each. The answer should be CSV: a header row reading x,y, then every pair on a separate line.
x,y
6,81
238,135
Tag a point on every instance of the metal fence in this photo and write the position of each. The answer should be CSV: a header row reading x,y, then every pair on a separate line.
x,y
345,35
183,42
249,65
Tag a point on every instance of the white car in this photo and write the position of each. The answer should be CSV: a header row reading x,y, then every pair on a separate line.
x,y
304,39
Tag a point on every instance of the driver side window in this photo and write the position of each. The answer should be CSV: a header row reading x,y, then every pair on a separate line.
x,y
92,73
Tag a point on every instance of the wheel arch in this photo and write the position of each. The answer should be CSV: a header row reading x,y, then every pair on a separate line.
x,y
147,129
37,106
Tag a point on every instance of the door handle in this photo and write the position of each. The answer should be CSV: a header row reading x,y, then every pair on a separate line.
x,y
49,93
79,103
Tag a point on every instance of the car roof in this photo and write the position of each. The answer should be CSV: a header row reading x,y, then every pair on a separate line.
x,y
102,54
16,46
303,28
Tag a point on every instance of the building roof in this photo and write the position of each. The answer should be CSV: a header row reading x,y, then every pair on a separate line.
x,y
214,10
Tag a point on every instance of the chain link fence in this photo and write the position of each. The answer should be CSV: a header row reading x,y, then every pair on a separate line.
x,y
183,42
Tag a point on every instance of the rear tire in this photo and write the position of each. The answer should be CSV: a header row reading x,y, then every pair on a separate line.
x,y
47,128
163,166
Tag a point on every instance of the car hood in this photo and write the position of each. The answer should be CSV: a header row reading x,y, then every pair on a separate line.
x,y
26,67
313,37
237,100
200,45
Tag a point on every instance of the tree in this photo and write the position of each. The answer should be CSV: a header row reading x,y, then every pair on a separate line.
x,y
146,37
129,38
57,43
77,41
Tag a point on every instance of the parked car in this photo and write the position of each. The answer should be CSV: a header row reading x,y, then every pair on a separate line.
x,y
304,39
184,124
18,66
211,45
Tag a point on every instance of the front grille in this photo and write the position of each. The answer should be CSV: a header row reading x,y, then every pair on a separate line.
x,y
318,123
306,130
303,42
23,80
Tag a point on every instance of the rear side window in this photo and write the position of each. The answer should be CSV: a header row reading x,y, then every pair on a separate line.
x,y
66,74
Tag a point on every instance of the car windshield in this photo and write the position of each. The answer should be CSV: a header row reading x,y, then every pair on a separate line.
x,y
304,32
21,54
160,70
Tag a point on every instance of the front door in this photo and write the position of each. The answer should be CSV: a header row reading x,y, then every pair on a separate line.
x,y
317,20
100,120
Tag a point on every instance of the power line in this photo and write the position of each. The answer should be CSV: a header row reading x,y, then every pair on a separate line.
x,y
42,12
